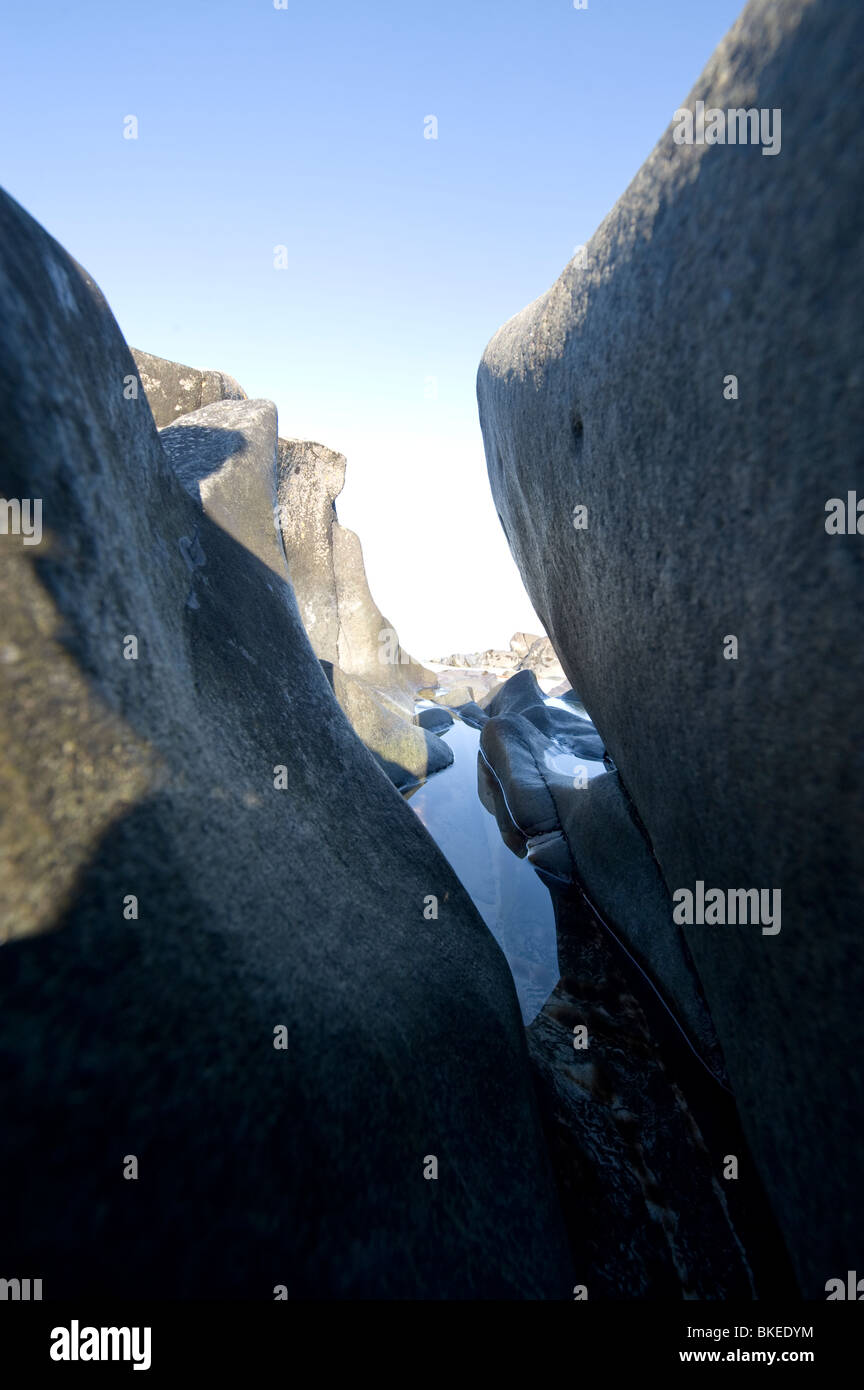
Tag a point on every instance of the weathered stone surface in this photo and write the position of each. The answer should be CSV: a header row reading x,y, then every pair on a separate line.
x,y
225,457
310,478
174,390
542,659
705,518
280,883
344,624
407,752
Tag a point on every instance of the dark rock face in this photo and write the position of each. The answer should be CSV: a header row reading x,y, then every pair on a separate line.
x,y
436,720
706,506
583,830
209,865
174,390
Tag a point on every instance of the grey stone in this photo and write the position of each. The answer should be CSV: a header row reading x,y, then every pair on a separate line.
x,y
542,659
589,833
225,457
344,624
173,390
706,517
266,900
519,693
436,720
406,751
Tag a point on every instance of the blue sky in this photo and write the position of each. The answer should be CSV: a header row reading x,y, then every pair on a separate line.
x,y
303,127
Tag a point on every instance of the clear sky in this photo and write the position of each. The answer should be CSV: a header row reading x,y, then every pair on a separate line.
x,y
303,127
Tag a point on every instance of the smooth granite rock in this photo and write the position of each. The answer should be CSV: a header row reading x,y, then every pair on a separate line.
x,y
174,390
436,720
225,457
521,692
213,784
406,751
706,520
344,624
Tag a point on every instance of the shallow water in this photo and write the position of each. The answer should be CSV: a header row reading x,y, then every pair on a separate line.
x,y
506,891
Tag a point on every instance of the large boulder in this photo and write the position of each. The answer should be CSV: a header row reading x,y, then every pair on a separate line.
x,y
173,389
233,984
693,384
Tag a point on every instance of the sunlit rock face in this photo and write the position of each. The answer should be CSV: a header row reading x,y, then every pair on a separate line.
x,y
248,967
374,678
665,430
174,389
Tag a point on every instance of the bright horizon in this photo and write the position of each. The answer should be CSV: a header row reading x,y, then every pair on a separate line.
x,y
304,128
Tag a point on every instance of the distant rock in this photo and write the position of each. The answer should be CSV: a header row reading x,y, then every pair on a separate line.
x,y
665,429
345,625
542,659
174,390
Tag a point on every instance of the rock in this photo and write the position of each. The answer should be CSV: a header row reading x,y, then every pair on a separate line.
x,y
344,624
472,714
436,720
542,659
522,642
589,833
564,691
457,695
361,650
695,392
566,731
406,752
224,455
310,478
515,695
173,390
214,786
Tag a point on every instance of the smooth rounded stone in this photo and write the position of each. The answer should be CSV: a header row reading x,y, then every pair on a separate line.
x,y
436,720
706,519
173,389
225,457
214,785
520,692
577,736
609,855
472,714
